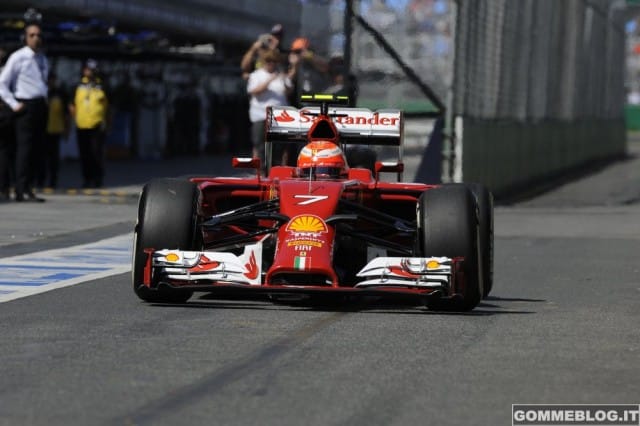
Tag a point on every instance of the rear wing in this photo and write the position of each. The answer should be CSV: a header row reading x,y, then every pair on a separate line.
x,y
355,125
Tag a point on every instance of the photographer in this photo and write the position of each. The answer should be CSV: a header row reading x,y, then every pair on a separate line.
x,y
253,58
312,75
267,86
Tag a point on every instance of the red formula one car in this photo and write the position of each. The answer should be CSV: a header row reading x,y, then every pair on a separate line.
x,y
318,229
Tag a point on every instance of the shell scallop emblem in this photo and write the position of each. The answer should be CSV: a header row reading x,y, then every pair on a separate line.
x,y
307,223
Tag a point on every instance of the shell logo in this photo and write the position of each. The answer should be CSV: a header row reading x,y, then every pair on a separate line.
x,y
307,223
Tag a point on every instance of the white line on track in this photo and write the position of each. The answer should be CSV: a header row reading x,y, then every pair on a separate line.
x,y
34,273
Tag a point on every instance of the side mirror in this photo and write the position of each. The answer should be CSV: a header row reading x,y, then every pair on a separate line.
x,y
382,166
388,167
246,163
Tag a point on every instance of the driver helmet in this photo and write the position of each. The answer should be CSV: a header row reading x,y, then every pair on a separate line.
x,y
322,159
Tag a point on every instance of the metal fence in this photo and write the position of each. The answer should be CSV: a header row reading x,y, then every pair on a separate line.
x,y
504,59
539,59
538,89
533,87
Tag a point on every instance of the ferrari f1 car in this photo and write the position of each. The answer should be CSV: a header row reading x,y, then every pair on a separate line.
x,y
321,228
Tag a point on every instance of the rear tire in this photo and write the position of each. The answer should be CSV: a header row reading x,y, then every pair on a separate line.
x,y
167,219
448,226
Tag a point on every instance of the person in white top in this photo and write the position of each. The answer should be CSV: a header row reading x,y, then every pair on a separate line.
x,y
23,85
268,86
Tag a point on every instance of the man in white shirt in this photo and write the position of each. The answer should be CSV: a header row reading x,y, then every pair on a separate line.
x,y
23,85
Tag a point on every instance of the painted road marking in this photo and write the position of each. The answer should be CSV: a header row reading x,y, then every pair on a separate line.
x,y
33,273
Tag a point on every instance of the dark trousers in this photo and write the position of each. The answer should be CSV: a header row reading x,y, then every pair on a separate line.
x,y
48,161
91,149
7,157
30,129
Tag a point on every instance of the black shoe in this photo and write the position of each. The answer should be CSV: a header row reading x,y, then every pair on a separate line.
x,y
34,198
30,198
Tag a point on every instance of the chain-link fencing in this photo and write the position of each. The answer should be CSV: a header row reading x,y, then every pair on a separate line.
x,y
538,88
390,40
538,59
418,31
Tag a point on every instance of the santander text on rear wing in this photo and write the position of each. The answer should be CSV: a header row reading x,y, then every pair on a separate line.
x,y
355,125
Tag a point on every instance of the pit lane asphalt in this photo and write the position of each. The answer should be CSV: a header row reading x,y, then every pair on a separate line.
x,y
560,327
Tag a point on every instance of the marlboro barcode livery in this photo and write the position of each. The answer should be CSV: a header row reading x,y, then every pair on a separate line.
x,y
321,228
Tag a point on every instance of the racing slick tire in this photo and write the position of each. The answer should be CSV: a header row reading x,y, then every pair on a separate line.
x,y
167,218
484,198
448,226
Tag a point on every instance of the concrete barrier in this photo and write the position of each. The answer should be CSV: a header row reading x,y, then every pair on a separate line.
x,y
510,156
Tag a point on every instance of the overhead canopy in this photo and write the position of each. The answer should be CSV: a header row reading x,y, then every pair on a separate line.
x,y
145,26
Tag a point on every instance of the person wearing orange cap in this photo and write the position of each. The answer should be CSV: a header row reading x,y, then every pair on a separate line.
x,y
301,44
312,69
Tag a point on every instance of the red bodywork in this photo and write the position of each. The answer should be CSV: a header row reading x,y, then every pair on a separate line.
x,y
308,204
304,221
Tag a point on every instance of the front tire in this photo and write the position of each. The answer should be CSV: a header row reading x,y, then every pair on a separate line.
x,y
167,219
448,226
484,199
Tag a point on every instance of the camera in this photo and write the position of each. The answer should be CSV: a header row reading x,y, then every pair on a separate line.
x,y
265,41
32,16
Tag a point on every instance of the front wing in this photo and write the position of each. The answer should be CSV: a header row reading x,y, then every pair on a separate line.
x,y
223,272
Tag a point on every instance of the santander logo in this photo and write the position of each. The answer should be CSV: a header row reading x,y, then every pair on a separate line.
x,y
284,117
353,119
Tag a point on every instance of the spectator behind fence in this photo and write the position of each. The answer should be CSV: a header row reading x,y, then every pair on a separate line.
x,y
57,126
338,85
253,58
23,86
267,86
90,110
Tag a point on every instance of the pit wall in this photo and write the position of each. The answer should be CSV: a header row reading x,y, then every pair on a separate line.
x,y
510,157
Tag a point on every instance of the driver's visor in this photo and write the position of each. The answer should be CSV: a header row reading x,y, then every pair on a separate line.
x,y
331,172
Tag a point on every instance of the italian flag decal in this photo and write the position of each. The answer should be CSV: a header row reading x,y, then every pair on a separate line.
x,y
301,262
